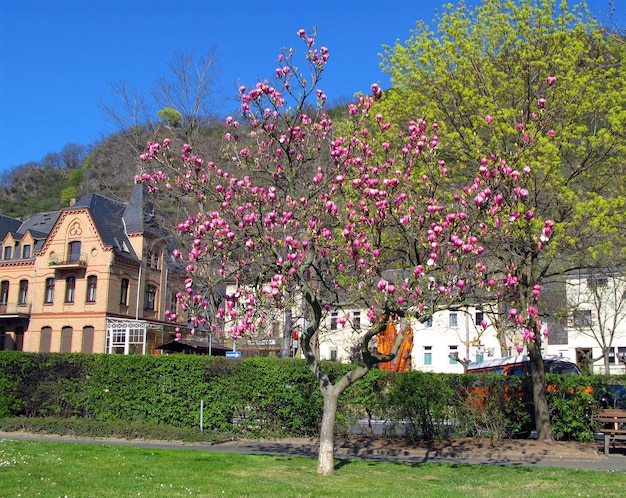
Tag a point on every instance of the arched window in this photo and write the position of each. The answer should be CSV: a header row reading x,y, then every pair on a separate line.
x,y
49,296
44,342
124,292
150,297
66,339
73,251
23,295
4,292
70,289
87,346
92,282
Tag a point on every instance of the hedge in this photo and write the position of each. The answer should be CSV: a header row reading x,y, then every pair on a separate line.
x,y
274,397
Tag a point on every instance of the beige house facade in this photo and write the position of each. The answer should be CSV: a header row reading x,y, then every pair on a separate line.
x,y
95,277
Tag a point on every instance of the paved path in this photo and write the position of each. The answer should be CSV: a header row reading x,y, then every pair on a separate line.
x,y
575,455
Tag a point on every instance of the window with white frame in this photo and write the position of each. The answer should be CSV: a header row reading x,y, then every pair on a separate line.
x,y
453,318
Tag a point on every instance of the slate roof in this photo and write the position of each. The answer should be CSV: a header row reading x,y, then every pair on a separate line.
x,y
107,215
39,225
8,224
113,220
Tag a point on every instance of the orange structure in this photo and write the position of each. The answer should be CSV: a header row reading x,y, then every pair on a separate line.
x,y
386,340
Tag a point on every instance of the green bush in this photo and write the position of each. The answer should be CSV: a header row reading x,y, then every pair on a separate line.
x,y
493,406
272,397
422,402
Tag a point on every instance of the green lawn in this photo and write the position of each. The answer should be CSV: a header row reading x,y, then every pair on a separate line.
x,y
29,469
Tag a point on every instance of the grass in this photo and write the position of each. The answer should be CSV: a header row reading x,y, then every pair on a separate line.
x,y
29,468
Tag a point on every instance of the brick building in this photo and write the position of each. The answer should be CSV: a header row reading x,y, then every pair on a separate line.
x,y
92,277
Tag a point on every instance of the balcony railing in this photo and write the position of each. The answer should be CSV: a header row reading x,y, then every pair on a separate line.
x,y
68,261
14,309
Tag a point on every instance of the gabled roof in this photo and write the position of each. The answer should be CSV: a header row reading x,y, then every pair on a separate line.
x,y
8,224
38,225
113,220
107,216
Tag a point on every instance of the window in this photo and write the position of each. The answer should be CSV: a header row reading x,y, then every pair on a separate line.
x,y
582,318
124,292
66,339
454,319
357,320
44,341
428,355
480,316
275,329
333,320
173,302
26,252
70,289
92,282
73,252
150,297
49,297
610,352
597,282
453,354
8,252
429,322
333,355
87,346
125,340
4,292
23,296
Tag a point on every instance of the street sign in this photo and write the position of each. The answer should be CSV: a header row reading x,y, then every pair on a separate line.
x,y
233,354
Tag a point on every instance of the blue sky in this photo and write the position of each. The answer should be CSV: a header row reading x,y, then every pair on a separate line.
x,y
59,58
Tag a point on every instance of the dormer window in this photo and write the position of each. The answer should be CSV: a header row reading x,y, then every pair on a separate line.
x,y
8,252
26,251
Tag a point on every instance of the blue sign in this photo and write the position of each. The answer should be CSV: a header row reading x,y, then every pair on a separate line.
x,y
233,354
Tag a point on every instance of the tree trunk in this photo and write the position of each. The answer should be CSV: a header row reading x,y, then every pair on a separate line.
x,y
540,399
326,459
285,351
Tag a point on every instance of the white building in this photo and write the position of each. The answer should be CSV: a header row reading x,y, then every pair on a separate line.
x,y
459,333
596,318
595,310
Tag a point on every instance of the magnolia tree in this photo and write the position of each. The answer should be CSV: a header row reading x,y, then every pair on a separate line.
x,y
301,210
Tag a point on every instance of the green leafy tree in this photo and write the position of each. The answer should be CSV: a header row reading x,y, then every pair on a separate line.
x,y
171,116
491,75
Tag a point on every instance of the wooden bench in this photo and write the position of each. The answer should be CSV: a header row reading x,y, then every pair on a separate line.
x,y
614,421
